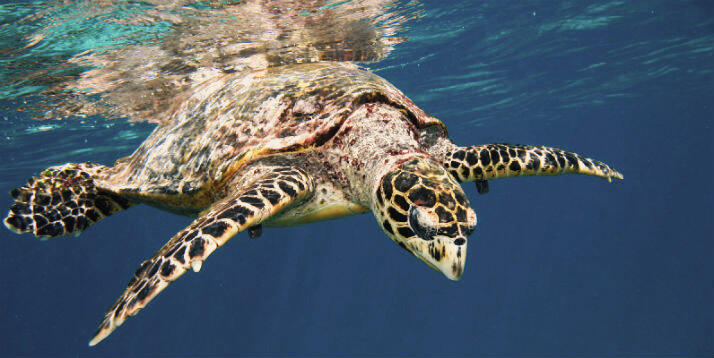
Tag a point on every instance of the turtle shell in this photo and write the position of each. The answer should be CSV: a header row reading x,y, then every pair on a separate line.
x,y
227,123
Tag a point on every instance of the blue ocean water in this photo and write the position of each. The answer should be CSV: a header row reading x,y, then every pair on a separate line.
x,y
557,266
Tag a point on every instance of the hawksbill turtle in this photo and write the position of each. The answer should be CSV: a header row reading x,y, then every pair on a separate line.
x,y
282,146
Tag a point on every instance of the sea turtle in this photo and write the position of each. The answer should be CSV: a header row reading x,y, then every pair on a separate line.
x,y
282,146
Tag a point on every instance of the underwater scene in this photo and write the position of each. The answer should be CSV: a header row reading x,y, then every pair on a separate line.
x,y
356,149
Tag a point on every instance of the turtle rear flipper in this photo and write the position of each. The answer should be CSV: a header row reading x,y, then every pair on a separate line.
x,y
62,200
188,249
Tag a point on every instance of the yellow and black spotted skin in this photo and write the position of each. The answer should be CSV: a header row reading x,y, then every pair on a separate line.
x,y
284,146
191,246
63,200
425,211
491,161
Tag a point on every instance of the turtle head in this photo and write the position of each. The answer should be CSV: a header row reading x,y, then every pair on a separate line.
x,y
425,211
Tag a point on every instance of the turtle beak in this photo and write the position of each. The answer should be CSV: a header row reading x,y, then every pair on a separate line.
x,y
442,254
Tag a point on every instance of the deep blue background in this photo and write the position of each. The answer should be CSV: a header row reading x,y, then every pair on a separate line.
x,y
557,266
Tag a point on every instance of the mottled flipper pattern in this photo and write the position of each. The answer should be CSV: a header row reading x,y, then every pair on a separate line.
x,y
491,161
62,200
214,227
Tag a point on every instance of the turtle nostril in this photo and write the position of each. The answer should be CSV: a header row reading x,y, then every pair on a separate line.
x,y
459,241
467,230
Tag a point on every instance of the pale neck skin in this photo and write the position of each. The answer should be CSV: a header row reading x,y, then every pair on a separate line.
x,y
418,204
374,139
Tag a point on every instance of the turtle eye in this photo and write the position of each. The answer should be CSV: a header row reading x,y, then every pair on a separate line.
x,y
419,223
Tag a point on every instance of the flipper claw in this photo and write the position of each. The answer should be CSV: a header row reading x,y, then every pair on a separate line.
x,y
482,186
255,231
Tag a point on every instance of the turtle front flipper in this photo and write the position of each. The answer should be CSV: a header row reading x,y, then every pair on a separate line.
x,y
492,161
267,196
